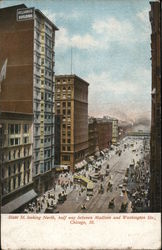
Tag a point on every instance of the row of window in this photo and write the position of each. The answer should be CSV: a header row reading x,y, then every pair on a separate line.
x,y
66,148
16,154
17,141
66,157
16,128
64,112
63,81
64,89
64,104
63,96
15,183
16,168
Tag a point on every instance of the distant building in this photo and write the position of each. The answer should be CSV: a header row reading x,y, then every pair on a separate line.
x,y
115,129
93,146
155,160
104,129
27,39
71,104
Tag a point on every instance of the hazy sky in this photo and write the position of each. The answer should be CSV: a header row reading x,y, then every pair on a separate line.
x,y
110,42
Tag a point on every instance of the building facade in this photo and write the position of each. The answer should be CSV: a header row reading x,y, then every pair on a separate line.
x,y
71,104
104,129
29,84
115,129
155,158
16,155
92,136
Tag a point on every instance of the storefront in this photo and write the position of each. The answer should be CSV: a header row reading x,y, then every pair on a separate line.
x,y
18,204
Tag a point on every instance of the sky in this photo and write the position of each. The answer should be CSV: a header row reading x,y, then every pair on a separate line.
x,y
110,44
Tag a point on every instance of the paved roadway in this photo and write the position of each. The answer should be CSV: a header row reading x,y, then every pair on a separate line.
x,y
98,203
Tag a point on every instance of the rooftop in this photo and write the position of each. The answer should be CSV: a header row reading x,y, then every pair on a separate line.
x,y
71,76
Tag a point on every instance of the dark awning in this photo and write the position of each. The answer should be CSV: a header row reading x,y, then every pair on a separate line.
x,y
18,202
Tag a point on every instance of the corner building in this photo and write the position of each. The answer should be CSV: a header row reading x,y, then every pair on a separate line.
x,y
71,104
27,40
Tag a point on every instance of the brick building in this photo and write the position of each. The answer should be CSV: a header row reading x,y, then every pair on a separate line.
x,y
155,158
92,136
71,104
104,129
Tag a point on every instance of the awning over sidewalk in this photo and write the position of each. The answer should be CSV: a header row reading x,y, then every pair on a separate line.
x,y
18,202
80,165
91,158
97,154
61,167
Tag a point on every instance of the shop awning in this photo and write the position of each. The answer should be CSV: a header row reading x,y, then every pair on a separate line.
x,y
81,164
18,202
97,154
91,158
61,167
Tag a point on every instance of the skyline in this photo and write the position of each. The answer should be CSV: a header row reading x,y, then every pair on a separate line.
x,y
111,50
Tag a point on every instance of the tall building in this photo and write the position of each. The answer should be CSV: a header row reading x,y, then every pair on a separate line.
x,y
71,100
155,158
104,129
115,130
27,40
92,136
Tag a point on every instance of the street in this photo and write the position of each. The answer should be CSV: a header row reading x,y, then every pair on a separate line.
x,y
117,191
98,203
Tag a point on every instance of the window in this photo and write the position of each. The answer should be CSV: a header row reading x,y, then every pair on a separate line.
x,y
41,140
19,180
26,128
14,154
14,129
36,169
14,183
42,96
9,155
69,141
26,139
42,61
18,153
28,176
64,104
64,126
17,141
64,112
63,141
69,112
19,167
9,170
69,104
68,148
64,89
66,157
14,168
9,186
63,148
